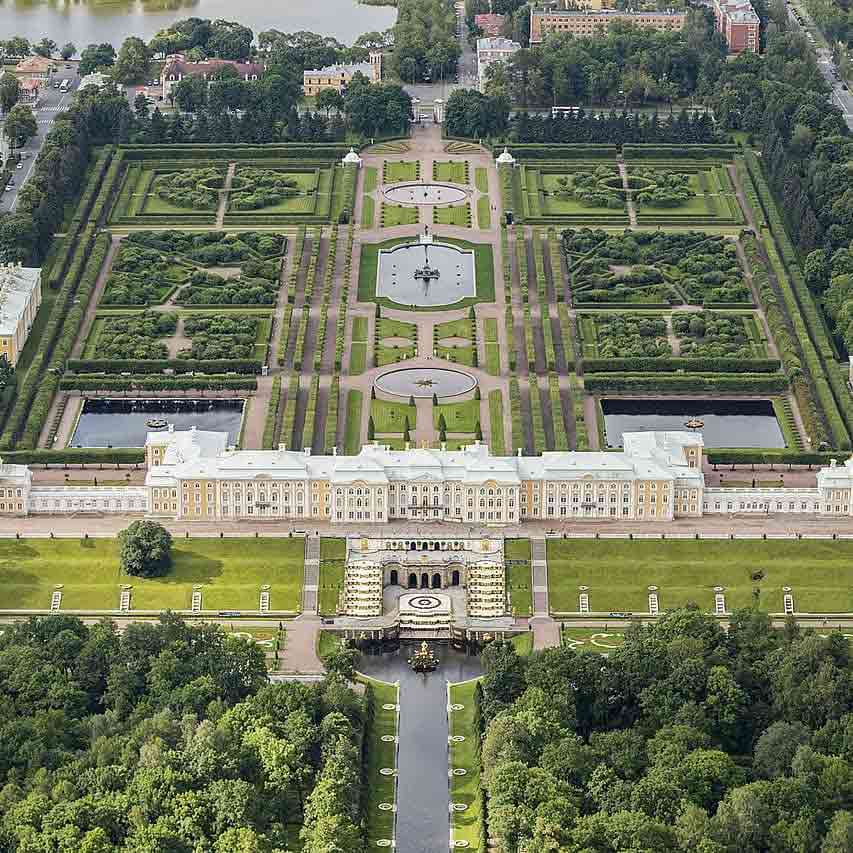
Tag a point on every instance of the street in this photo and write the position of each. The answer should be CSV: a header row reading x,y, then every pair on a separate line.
x,y
51,102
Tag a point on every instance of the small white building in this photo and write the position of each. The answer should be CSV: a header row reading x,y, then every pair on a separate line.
x,y
490,50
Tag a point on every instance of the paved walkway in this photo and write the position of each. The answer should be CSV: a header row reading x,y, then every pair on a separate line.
x,y
224,195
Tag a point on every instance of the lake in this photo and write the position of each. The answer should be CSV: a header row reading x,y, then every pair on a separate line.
x,y
727,423
85,21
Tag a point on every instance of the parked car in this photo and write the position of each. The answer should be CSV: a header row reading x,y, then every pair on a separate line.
x,y
19,166
56,84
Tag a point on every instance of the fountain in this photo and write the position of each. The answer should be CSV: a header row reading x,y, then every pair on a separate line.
x,y
423,660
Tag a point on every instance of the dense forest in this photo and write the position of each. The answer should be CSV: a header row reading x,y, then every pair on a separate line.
x,y
686,739
425,42
167,738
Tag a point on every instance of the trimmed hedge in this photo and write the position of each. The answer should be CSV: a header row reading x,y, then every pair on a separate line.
x,y
767,457
690,152
73,382
735,384
77,456
690,365
152,366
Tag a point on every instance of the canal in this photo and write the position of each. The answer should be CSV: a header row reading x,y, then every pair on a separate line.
x,y
85,21
423,820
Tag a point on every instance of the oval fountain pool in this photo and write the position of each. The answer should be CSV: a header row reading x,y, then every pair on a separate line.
x,y
428,194
425,381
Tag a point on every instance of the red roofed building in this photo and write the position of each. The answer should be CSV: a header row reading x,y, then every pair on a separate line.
x,y
176,68
490,24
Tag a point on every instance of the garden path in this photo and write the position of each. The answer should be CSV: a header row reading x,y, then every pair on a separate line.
x,y
97,293
224,194
672,338
629,195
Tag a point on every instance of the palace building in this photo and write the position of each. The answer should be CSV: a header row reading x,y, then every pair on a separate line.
x,y
591,22
20,297
194,475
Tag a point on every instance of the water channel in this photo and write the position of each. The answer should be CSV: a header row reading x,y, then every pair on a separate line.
x,y
423,821
726,423
87,21
125,423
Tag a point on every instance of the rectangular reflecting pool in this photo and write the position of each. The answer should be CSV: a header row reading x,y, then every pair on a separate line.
x,y
726,423
125,423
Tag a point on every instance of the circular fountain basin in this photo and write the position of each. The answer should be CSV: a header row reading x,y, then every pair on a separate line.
x,y
398,266
425,381
425,194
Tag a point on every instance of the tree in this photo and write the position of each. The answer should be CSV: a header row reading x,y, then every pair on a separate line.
x,y
133,61
330,99
96,56
145,549
45,47
68,50
371,429
191,94
20,124
341,661
10,91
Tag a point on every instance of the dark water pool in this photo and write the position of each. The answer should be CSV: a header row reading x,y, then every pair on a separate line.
x,y
423,822
727,423
124,423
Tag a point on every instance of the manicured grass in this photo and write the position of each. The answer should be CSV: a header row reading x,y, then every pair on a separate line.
x,y
459,417
230,571
519,589
483,269
465,825
458,215
481,179
618,573
592,639
381,789
493,352
388,328
496,422
368,212
523,643
333,548
517,549
352,430
371,179
484,212
390,417
396,214
327,642
331,584
358,347
402,170
452,172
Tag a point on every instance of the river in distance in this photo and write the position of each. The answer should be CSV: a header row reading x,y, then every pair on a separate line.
x,y
85,22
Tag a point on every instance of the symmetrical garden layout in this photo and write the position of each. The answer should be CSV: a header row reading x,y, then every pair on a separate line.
x,y
281,276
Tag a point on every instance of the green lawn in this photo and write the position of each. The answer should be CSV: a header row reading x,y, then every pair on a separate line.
x,y
518,580
368,212
388,328
481,179
465,825
389,416
618,573
459,417
331,584
450,171
493,352
371,179
396,214
454,329
230,572
496,421
592,639
381,789
457,214
394,172
460,353
484,212
352,430
333,548
523,643
358,347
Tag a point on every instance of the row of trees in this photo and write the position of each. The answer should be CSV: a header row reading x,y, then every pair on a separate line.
x,y
169,738
687,739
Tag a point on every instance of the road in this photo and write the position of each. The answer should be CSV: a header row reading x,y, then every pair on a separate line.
x,y
840,94
52,102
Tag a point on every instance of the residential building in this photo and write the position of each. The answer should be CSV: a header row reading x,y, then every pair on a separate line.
x,y
588,22
338,77
491,50
20,297
34,68
177,67
739,24
490,24
30,90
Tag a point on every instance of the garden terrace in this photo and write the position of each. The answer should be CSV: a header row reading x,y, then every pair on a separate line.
x,y
451,171
398,171
275,184
653,268
621,335
394,341
458,215
456,341
131,336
